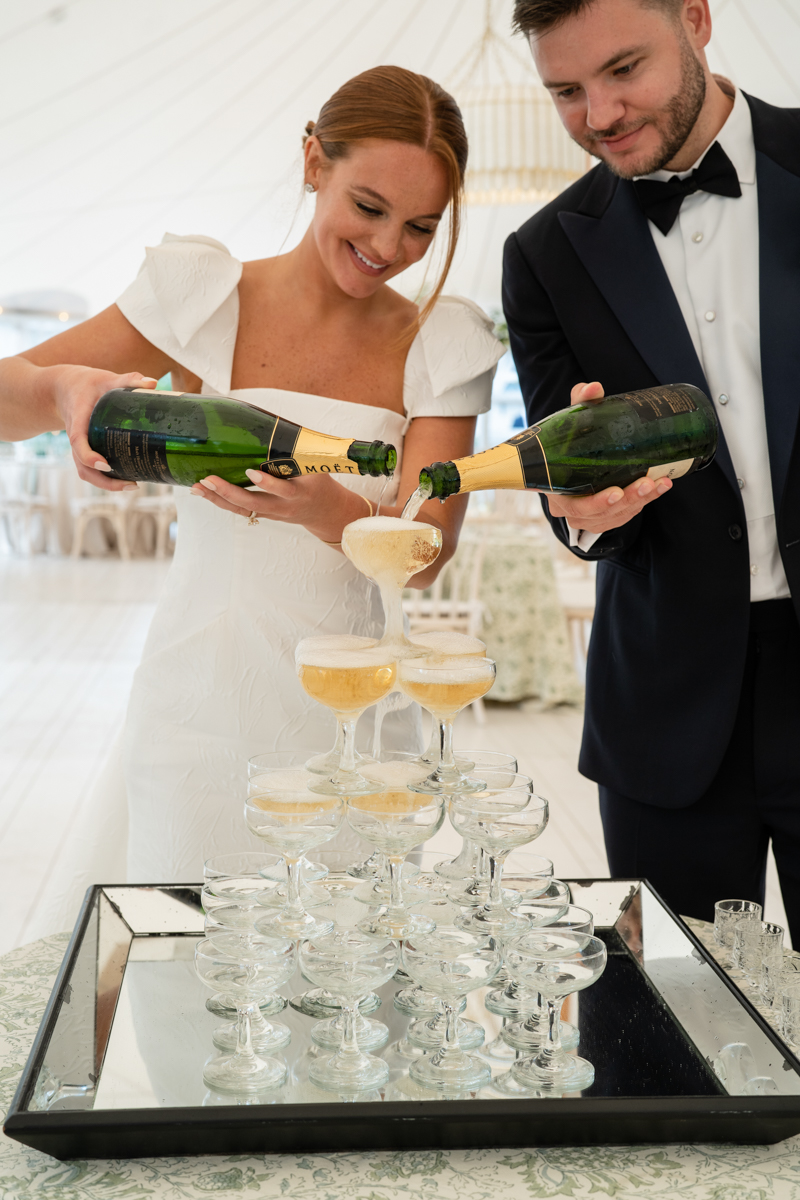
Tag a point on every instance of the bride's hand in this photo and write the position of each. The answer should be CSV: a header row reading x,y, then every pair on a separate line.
x,y
317,502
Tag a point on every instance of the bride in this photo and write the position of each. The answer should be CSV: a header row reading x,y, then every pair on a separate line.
x,y
318,336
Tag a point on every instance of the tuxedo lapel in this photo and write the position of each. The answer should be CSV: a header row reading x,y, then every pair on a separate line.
x,y
779,289
616,248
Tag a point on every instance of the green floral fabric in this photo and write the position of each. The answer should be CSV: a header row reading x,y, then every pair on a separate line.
x,y
524,627
622,1172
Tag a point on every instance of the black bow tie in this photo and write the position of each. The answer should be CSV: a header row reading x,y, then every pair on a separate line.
x,y
661,200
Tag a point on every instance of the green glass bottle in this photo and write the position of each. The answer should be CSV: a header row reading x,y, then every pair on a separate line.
x,y
666,431
177,437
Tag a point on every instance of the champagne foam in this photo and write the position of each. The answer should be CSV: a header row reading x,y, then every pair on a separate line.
x,y
333,651
385,525
448,643
445,670
288,780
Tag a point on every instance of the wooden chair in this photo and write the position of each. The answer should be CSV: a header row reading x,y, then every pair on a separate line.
x,y
157,504
22,511
113,507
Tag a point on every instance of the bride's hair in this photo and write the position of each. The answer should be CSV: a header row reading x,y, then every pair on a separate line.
x,y
397,105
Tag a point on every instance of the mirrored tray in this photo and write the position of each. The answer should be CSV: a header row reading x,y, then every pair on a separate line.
x,y
116,1068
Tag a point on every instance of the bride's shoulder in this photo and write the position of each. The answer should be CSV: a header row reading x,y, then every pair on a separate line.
x,y
185,301
452,361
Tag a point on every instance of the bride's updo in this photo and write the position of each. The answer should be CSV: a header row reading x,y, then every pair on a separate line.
x,y
393,104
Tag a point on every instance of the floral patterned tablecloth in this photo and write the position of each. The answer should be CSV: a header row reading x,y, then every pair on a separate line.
x,y
525,628
622,1172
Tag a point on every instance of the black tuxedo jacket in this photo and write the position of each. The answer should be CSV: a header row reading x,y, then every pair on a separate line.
x,y
586,297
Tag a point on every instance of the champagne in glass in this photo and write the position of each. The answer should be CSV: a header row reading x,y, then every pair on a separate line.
x,y
347,681
389,551
444,686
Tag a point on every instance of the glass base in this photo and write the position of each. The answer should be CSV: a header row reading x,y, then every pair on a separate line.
x,y
302,926
476,894
567,1074
380,891
462,867
429,1035
339,1074
235,1073
416,1002
312,895
343,783
320,1003
507,1085
276,1037
309,872
396,925
455,785
222,1006
499,1050
449,1071
530,1040
370,1035
492,922
516,1005
370,868
328,764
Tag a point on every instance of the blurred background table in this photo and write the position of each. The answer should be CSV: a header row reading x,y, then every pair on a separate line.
x,y
623,1172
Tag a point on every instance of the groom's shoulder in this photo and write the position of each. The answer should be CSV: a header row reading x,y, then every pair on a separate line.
x,y
776,132
590,196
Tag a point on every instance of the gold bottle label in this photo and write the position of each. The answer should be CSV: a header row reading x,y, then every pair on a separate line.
x,y
500,467
297,451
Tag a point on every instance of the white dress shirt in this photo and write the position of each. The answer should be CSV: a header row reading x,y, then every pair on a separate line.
x,y
711,257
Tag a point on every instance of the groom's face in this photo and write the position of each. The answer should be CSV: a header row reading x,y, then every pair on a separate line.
x,y
626,80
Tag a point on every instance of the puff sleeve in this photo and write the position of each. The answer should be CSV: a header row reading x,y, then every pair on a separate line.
x,y
452,361
185,301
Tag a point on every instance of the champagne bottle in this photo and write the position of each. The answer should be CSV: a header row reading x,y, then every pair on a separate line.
x,y
661,432
177,437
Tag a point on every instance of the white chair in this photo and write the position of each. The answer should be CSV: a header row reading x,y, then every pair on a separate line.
x,y
157,504
22,511
453,602
113,507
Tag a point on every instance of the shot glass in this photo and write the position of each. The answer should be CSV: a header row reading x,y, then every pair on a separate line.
x,y
727,914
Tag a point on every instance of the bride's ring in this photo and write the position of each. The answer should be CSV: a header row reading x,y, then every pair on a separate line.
x,y
252,519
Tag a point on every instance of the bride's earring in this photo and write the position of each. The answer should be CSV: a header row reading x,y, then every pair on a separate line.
x,y
310,187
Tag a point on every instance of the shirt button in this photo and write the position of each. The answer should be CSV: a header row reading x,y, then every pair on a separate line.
x,y
754,569
697,237
735,531
740,483
723,399
711,315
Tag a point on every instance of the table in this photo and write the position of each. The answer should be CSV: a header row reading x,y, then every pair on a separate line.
x,y
621,1172
525,627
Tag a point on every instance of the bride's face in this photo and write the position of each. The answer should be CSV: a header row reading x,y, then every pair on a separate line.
x,y
377,210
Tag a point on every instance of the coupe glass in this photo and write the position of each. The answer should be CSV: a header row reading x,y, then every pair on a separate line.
x,y
449,963
233,883
515,1000
395,820
529,1031
310,872
293,820
246,972
468,863
446,643
556,964
444,687
347,682
499,821
389,551
351,965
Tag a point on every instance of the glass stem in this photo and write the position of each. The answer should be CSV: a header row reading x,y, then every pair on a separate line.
x,y
244,1039
537,1021
451,1024
396,881
496,880
552,1047
349,1047
347,724
447,761
293,903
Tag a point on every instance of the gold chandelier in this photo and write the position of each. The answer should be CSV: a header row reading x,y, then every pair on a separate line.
x,y
519,152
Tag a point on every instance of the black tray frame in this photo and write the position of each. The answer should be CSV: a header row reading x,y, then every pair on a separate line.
x,y
440,1125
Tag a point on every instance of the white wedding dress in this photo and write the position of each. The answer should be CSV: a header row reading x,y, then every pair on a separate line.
x,y
217,680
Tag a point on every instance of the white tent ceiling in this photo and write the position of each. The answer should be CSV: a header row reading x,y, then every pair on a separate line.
x,y
120,119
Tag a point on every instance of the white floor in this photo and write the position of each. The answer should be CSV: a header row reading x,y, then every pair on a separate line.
x,y
71,635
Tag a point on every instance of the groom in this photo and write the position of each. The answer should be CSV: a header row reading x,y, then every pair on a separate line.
x,y
677,259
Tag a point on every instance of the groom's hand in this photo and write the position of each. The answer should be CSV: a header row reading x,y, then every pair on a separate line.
x,y
610,508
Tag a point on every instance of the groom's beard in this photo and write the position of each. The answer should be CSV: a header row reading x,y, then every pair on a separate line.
x,y
675,121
